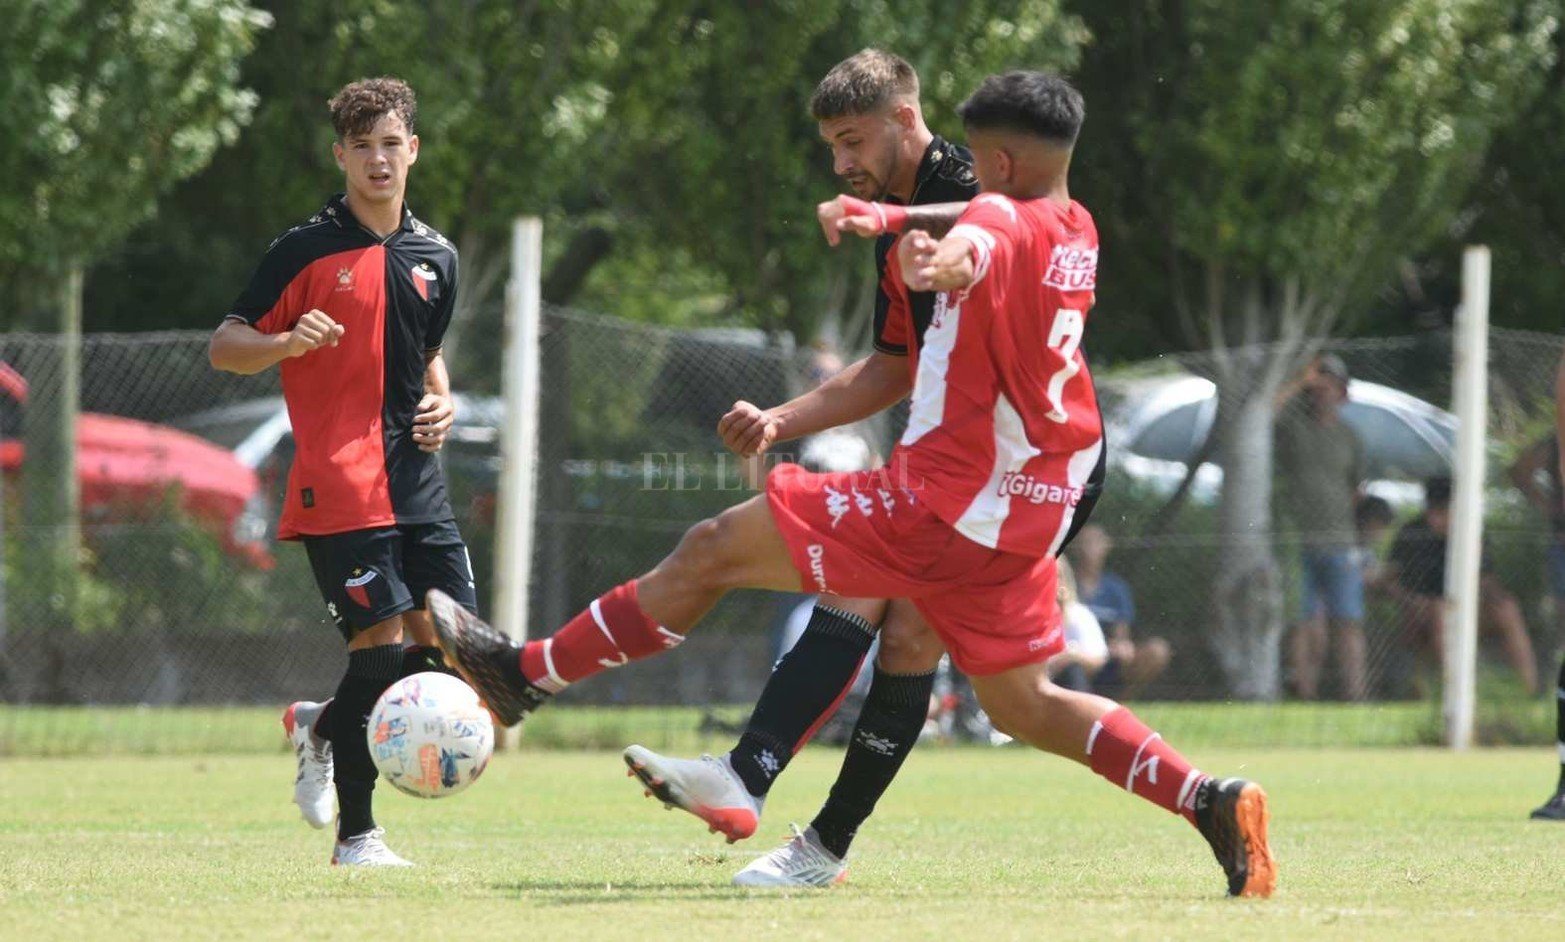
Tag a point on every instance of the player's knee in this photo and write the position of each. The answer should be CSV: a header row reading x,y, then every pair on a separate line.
x,y
908,646
704,557
380,633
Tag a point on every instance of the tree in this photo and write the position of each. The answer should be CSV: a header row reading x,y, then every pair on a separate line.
x,y
733,165
1261,169
109,105
664,141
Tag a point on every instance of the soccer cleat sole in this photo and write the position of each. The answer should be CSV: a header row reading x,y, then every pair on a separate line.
x,y
1252,816
735,824
453,637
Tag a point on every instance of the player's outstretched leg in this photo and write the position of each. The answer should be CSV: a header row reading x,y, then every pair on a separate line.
x,y
1554,808
740,547
312,787
1230,813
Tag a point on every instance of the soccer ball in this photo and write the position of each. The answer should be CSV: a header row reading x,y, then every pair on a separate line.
x,y
430,736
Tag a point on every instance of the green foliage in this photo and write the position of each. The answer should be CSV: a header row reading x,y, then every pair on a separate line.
x,y
108,104
729,163
676,128
1317,140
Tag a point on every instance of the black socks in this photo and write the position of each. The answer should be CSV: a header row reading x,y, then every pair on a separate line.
x,y
889,726
803,691
370,672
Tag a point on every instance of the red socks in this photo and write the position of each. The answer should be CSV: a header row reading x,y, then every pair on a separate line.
x,y
1123,750
611,631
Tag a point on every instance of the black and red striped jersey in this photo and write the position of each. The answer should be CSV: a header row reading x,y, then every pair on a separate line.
x,y
352,406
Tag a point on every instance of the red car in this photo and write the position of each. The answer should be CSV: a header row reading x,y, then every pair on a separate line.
x,y
127,466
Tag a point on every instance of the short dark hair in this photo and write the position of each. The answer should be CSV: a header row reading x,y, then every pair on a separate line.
x,y
863,83
1372,509
1437,492
1029,102
356,108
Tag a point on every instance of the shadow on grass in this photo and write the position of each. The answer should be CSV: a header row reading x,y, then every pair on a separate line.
x,y
584,892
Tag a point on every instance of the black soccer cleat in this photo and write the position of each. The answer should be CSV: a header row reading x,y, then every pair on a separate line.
x,y
1231,814
488,660
1551,810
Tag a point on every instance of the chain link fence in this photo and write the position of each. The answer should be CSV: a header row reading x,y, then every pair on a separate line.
x,y
182,597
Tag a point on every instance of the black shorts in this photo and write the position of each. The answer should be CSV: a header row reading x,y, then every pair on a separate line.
x,y
368,576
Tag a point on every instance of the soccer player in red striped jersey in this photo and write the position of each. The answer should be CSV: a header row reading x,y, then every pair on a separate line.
x,y
964,519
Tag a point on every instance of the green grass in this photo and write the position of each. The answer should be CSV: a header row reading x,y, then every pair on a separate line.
x,y
970,844
88,731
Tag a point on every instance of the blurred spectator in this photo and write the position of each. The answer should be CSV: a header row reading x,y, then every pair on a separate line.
x,y
1415,577
1131,665
1536,473
1086,652
1372,518
825,362
1320,466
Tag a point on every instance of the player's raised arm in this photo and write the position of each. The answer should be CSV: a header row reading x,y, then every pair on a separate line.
x,y
930,265
870,220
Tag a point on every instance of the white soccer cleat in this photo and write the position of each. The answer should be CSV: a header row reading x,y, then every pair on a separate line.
x,y
366,850
706,787
800,862
313,791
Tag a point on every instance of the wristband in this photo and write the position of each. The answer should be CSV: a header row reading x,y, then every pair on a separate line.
x,y
891,217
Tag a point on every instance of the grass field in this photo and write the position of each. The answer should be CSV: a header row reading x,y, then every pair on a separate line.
x,y
97,731
970,844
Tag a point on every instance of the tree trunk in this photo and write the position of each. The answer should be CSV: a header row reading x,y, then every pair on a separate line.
x,y
1249,584
50,486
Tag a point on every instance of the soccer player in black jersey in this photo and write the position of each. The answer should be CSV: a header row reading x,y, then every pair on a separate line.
x,y
352,306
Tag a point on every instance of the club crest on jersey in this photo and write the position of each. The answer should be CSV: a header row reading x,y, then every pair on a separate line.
x,y
1072,269
357,585
344,279
423,277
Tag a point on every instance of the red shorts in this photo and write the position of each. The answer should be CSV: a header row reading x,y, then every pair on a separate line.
x,y
858,535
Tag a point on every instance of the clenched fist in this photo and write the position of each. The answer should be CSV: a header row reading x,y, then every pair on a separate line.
x,y
747,429
860,217
313,331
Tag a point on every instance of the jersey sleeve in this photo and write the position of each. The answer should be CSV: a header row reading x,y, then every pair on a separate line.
x,y
435,336
891,312
268,302
990,224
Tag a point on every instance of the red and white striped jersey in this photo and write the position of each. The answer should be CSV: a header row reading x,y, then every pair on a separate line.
x,y
1004,427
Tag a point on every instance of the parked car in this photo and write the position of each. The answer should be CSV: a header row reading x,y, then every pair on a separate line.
x,y
126,467
260,437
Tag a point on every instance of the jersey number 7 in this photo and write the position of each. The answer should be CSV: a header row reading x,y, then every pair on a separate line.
x,y
1064,337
